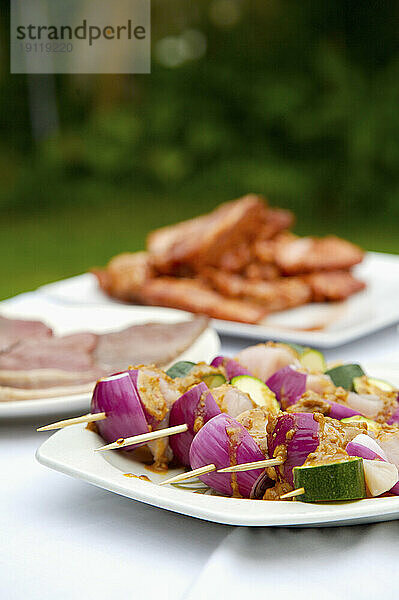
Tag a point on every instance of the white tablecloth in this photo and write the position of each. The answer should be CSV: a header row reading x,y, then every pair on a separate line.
x,y
62,538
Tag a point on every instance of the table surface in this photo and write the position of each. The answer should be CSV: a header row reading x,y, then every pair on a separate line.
x,y
62,538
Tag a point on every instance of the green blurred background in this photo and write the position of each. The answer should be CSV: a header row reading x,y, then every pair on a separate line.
x,y
295,99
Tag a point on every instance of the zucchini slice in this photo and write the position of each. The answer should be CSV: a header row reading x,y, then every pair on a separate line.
x,y
180,369
313,360
344,375
332,482
214,380
258,392
381,384
297,348
369,385
371,425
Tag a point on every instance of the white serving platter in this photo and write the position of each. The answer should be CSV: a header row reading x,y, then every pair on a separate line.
x,y
71,451
324,325
99,319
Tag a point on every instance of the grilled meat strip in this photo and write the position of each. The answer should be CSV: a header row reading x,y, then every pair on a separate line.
x,y
196,297
279,294
205,239
333,286
305,255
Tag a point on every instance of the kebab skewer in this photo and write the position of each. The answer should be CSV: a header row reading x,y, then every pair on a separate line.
x,y
315,457
285,377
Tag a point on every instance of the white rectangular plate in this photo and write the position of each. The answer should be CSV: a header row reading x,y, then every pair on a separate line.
x,y
71,451
324,325
99,319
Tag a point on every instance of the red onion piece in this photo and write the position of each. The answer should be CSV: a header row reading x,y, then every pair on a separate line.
x,y
395,489
260,486
217,361
232,367
194,408
288,385
394,419
302,439
118,398
355,449
340,411
223,442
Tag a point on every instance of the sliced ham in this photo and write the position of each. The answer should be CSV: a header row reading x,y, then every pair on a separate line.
x,y
15,330
151,343
61,365
69,353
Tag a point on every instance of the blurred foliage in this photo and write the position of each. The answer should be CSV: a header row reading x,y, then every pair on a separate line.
x,y
295,99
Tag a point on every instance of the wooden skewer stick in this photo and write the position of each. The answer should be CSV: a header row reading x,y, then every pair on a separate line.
x,y
190,474
251,466
293,494
143,437
89,418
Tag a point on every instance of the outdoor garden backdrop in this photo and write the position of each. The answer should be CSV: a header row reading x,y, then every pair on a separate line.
x,y
298,100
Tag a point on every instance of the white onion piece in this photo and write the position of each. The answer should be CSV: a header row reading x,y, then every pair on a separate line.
x,y
389,442
380,476
368,405
262,360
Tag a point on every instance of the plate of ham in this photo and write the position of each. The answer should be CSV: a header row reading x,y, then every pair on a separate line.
x,y
271,437
51,356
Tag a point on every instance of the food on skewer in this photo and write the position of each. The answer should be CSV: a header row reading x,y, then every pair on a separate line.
x,y
343,480
237,263
146,399
224,441
234,435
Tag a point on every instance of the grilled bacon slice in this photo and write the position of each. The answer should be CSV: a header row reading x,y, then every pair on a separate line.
x,y
279,294
125,275
206,239
305,255
333,286
196,297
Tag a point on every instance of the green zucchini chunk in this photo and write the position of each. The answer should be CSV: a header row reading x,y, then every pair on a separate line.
x,y
332,482
180,369
214,380
364,385
258,391
344,375
298,348
371,425
313,360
